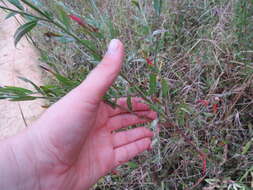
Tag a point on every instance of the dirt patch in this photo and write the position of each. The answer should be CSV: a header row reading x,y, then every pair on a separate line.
x,y
14,62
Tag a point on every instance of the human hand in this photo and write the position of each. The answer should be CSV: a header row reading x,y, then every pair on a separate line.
x,y
74,143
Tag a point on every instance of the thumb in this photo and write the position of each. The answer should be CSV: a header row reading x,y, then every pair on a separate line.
x,y
101,78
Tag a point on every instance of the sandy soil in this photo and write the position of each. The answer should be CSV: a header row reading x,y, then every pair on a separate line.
x,y
20,61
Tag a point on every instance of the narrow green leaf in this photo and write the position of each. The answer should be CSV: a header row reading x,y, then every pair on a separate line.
x,y
37,9
63,16
136,3
24,98
247,147
10,15
65,81
49,90
114,33
152,84
182,111
92,48
16,3
107,100
165,88
23,30
129,103
246,174
132,165
155,108
23,13
158,6
89,44
32,83
15,90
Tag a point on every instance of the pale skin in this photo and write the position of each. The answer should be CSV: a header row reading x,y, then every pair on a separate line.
x,y
76,142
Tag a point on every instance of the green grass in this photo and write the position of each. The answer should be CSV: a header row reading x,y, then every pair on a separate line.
x,y
202,51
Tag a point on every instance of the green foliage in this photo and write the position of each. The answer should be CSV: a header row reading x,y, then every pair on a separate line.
x,y
190,61
16,94
129,103
152,84
165,88
23,30
63,16
158,6
10,15
243,23
136,3
246,148
17,4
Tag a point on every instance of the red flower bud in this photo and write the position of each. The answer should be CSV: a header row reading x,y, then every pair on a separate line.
x,y
149,62
82,23
215,108
203,102
77,19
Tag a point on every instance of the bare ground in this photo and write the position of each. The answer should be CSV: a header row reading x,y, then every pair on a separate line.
x,y
14,62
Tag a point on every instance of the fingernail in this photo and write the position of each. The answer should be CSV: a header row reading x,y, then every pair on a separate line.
x,y
113,46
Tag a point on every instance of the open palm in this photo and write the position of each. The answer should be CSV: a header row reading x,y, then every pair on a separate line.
x,y
77,140
105,149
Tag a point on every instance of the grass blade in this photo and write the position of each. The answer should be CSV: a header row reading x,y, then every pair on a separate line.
x,y
165,88
45,14
32,83
24,98
23,30
136,3
129,103
15,90
16,3
10,15
152,84
63,16
158,6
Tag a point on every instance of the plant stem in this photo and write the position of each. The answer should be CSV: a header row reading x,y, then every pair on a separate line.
x,y
136,88
24,13
35,8
75,37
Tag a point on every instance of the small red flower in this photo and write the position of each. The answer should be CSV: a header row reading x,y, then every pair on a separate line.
x,y
82,23
203,102
203,158
149,62
215,108
77,19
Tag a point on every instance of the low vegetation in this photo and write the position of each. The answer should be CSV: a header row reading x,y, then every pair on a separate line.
x,y
190,60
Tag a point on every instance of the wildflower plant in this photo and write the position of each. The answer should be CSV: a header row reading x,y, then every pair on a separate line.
x,y
185,73
37,14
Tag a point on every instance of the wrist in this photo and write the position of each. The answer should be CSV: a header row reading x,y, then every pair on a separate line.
x,y
17,165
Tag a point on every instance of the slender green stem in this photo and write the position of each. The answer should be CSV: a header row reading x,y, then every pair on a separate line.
x,y
144,16
57,24
142,95
156,52
35,8
136,88
75,37
24,13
